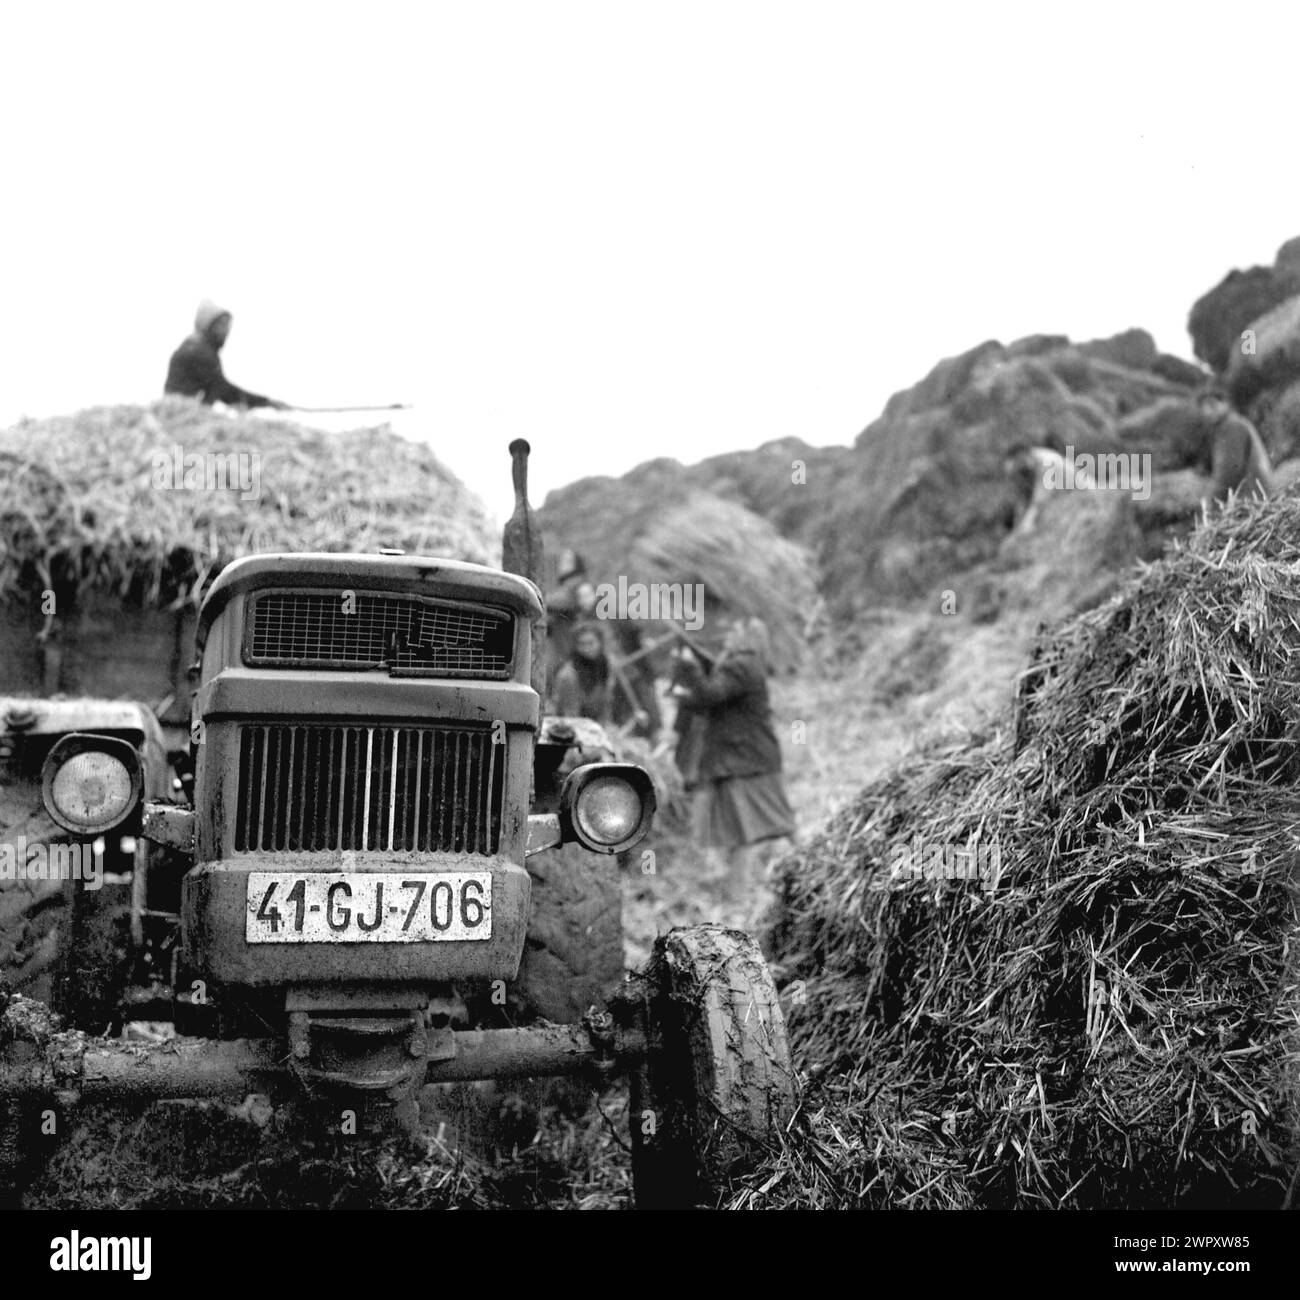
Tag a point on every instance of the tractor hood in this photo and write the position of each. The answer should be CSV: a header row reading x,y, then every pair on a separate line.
x,y
419,575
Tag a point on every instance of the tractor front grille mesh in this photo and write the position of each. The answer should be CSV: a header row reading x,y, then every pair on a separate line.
x,y
323,787
341,629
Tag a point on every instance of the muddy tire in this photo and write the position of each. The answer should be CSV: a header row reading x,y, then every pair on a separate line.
x,y
34,914
59,943
24,1147
573,955
15,1161
26,1030
717,1086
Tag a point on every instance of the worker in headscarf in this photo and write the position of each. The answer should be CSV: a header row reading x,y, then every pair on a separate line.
x,y
583,684
742,801
195,367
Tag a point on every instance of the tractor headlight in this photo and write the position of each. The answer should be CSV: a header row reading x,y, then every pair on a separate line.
x,y
91,784
607,807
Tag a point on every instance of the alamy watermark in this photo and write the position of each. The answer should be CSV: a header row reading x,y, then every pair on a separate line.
x,y
915,859
212,471
646,602
77,860
1128,471
91,1254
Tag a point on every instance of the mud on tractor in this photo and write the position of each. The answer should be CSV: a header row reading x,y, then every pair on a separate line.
x,y
381,833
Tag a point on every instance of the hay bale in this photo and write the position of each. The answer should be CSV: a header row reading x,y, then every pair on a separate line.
x,y
1112,1024
79,508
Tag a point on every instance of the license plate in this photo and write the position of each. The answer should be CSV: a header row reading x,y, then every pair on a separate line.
x,y
368,907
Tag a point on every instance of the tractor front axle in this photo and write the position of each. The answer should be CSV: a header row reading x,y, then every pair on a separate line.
x,y
72,1067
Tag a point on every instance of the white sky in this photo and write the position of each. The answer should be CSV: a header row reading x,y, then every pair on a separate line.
x,y
621,230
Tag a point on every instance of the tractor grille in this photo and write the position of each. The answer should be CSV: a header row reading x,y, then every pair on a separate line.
x,y
408,634
317,788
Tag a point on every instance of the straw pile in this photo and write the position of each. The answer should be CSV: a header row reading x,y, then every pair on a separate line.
x,y
1274,361
743,564
928,496
1278,420
1113,1024
1173,430
601,517
79,505
1218,316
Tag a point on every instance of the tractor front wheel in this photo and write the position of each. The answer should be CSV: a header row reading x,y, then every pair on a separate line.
x,y
717,1085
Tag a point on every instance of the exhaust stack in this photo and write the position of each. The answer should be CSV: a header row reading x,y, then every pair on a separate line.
x,y
522,553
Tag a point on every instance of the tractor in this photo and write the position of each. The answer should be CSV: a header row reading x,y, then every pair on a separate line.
x,y
379,835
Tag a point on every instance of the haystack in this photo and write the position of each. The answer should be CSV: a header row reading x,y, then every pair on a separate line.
x,y
1269,360
1279,423
1107,1019
113,521
744,566
928,497
80,508
1173,430
1218,316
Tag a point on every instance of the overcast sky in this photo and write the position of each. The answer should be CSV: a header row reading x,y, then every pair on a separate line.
x,y
621,230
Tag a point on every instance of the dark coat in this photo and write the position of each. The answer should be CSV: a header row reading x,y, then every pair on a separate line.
x,y
195,371
739,739
580,693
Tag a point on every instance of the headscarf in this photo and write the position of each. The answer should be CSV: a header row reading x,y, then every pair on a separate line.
x,y
592,673
207,313
752,637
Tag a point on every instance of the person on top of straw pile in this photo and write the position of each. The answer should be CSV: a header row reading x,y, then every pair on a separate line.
x,y
742,800
195,367
1237,459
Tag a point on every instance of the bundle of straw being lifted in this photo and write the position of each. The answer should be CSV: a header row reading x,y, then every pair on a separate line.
x,y
1103,1012
81,503
743,564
